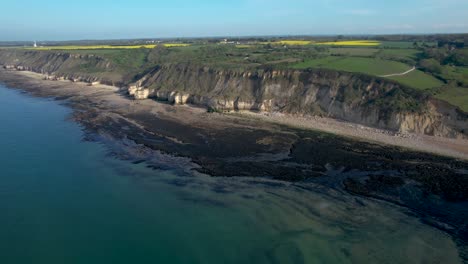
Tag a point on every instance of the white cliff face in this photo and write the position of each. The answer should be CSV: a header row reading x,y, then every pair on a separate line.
x,y
141,94
178,98
350,97
330,94
62,65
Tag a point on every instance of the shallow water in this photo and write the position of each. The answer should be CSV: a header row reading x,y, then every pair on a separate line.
x,y
65,200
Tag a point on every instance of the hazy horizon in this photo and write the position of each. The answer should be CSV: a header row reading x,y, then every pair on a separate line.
x,y
51,20
233,37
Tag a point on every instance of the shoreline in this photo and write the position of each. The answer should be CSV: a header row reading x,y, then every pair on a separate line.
x,y
455,148
280,148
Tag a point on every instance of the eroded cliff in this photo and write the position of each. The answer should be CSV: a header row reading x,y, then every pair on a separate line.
x,y
351,97
61,65
356,98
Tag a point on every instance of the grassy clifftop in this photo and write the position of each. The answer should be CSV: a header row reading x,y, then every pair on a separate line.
x,y
124,64
264,78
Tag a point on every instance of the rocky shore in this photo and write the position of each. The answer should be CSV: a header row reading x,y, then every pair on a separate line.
x,y
434,188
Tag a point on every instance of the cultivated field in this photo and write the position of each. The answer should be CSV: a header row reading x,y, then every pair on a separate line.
x,y
356,51
457,96
286,42
374,66
358,43
418,80
371,66
372,57
96,47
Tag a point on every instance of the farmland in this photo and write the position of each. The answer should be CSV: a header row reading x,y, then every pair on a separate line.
x,y
457,96
399,53
350,51
370,57
345,43
293,42
358,43
371,66
97,47
418,80
406,44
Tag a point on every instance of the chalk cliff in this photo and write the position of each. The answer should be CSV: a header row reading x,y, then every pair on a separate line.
x,y
352,97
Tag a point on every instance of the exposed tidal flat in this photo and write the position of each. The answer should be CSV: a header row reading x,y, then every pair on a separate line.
x,y
68,200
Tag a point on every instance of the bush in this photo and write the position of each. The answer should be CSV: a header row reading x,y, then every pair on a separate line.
x,y
431,65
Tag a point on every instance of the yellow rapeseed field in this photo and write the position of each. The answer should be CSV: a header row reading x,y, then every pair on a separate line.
x,y
94,47
294,42
170,45
288,42
352,43
244,46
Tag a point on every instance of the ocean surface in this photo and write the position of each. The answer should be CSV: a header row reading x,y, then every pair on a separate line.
x,y
67,200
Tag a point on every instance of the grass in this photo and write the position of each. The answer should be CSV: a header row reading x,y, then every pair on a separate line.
x,y
370,66
342,55
400,53
457,96
404,44
453,73
371,43
397,44
357,52
374,66
418,80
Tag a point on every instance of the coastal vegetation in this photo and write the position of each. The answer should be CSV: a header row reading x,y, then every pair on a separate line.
x,y
440,62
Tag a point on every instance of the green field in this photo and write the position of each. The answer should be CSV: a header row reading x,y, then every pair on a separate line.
x,y
357,52
457,96
369,66
399,53
378,67
418,80
404,44
351,43
371,57
459,74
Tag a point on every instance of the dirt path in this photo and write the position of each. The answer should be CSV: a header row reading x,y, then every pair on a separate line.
x,y
400,74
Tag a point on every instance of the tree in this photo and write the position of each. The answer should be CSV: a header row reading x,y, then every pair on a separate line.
x,y
431,65
458,58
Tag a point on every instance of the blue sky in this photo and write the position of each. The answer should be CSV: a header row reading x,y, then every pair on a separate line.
x,y
110,19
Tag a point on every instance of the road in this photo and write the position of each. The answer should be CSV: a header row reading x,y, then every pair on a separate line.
x,y
400,74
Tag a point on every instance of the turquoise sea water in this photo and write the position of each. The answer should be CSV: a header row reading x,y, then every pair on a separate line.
x,y
64,200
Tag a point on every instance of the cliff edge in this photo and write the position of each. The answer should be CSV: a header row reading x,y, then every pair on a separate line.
x,y
356,98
